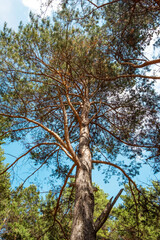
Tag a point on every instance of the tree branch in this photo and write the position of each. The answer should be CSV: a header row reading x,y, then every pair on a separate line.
x,y
73,109
105,4
57,137
37,169
96,113
105,213
66,131
58,201
62,229
146,63
127,143
124,76
62,144
131,76
15,130
116,166
40,144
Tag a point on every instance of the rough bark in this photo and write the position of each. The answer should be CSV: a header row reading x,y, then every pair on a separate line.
x,y
83,227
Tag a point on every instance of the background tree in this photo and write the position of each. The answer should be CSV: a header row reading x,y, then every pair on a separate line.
x,y
31,217
5,194
26,215
23,219
66,92
138,220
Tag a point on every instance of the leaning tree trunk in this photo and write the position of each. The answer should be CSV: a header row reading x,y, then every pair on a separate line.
x,y
83,227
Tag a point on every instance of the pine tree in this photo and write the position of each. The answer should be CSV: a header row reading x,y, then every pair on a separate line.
x,y
71,91
138,216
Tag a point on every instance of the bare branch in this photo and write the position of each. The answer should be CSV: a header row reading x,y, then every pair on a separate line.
x,y
146,63
134,198
67,131
105,213
92,3
56,136
73,109
97,7
131,76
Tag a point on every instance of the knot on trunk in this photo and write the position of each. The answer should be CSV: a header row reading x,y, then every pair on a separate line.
x,y
85,122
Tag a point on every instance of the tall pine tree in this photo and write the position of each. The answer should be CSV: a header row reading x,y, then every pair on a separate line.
x,y
73,96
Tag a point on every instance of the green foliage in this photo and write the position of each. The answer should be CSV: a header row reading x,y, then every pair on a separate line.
x,y
100,203
46,59
58,228
141,219
23,220
24,215
48,69
5,193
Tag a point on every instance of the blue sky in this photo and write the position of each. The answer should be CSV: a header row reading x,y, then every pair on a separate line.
x,y
12,12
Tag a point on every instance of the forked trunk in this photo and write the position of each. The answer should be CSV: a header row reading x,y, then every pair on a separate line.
x,y
83,227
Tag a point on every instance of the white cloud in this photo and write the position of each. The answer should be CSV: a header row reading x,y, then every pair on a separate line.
x,y
38,6
32,4
151,54
149,50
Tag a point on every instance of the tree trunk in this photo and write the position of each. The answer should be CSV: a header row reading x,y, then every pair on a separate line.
x,y
83,227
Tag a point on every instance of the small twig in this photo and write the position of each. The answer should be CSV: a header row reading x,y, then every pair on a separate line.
x,y
62,229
